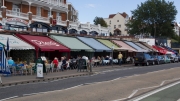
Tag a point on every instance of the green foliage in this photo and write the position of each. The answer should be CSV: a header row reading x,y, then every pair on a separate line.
x,y
153,17
100,20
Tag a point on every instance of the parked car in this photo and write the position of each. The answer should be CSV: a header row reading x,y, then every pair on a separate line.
x,y
173,57
143,59
158,59
166,58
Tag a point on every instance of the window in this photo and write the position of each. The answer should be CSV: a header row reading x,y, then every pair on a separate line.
x,y
117,20
49,14
110,22
38,11
16,9
114,26
119,26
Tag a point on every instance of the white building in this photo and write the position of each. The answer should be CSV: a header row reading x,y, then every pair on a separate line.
x,y
117,23
177,29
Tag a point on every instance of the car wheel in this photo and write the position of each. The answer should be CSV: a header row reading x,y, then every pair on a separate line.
x,y
147,63
153,63
174,61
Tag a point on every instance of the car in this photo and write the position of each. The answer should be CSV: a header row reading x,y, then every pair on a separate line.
x,y
166,58
158,59
143,59
173,57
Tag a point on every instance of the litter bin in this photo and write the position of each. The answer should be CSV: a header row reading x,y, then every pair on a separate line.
x,y
39,60
39,70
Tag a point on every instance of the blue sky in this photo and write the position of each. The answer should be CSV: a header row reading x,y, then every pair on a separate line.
x,y
89,9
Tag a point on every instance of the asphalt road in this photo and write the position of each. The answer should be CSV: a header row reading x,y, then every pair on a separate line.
x,y
20,90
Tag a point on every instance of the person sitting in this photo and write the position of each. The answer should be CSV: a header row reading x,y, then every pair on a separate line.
x,y
128,59
55,62
63,66
107,58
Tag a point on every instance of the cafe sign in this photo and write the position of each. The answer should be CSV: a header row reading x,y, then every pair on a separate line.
x,y
17,20
43,43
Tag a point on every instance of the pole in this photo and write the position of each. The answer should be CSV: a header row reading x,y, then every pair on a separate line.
x,y
112,59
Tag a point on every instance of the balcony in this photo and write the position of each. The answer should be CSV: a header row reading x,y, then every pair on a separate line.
x,y
60,22
55,4
15,14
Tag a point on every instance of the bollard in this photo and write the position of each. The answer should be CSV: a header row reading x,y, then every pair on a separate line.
x,y
0,79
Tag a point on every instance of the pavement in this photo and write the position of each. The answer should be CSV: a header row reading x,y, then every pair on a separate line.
x,y
24,79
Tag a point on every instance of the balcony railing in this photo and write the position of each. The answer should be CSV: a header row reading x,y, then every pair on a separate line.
x,y
16,14
54,3
40,18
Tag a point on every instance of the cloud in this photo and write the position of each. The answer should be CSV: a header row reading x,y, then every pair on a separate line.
x,y
91,5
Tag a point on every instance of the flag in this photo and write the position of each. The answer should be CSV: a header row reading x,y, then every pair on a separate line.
x,y
7,44
4,67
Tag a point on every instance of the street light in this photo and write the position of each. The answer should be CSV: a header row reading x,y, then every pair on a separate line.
x,y
112,54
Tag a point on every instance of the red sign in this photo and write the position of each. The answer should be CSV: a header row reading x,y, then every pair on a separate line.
x,y
18,20
43,43
160,50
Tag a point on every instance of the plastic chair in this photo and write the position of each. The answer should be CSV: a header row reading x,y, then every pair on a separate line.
x,y
48,68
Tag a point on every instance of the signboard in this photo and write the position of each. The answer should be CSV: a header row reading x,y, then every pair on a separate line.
x,y
149,41
17,20
39,70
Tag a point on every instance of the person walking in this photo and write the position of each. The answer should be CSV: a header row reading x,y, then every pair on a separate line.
x,y
120,56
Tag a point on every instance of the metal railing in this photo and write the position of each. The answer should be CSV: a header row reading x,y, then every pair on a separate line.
x,y
14,13
54,3
36,17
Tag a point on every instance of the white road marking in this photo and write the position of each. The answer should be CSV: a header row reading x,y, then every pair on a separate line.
x,y
9,98
153,92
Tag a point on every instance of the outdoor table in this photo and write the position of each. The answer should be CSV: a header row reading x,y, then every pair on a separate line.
x,y
106,61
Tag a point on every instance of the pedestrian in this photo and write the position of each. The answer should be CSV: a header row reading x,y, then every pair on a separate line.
x,y
120,56
10,63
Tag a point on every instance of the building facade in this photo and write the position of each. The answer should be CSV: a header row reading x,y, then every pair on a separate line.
x,y
72,13
44,16
176,28
117,23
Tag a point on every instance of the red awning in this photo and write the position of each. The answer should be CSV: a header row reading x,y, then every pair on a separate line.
x,y
43,43
160,50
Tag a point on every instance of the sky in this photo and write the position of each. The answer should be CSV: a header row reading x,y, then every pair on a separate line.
x,y
89,9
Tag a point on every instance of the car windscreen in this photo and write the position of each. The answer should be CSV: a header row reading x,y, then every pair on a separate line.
x,y
139,54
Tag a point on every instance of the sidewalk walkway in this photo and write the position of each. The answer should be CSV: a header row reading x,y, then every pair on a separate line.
x,y
15,80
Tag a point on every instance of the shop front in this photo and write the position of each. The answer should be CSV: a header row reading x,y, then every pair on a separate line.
x,y
45,46
100,49
40,27
77,47
16,24
19,50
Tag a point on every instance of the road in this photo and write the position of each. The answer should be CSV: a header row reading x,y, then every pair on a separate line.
x,y
22,90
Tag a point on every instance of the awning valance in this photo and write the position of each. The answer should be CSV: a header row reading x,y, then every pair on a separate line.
x,y
15,43
97,46
43,43
73,43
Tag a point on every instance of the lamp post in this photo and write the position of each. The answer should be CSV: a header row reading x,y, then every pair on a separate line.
x,y
112,54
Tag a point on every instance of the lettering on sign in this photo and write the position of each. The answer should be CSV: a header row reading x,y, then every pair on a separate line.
x,y
42,43
18,20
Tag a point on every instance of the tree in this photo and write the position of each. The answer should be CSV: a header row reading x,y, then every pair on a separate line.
x,y
100,20
153,17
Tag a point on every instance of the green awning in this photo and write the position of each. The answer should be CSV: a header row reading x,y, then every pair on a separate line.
x,y
2,44
73,43
109,44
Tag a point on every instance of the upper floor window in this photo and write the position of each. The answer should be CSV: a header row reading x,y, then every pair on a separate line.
x,y
119,26
110,22
38,12
49,14
117,20
16,8
114,26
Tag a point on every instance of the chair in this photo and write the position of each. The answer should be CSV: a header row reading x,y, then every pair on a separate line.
x,y
32,67
48,68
